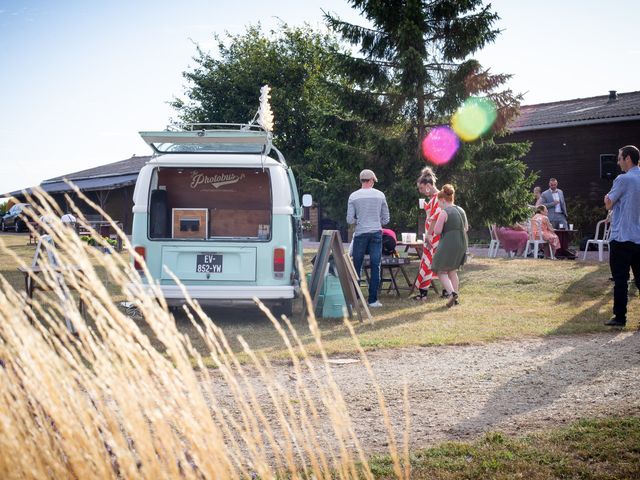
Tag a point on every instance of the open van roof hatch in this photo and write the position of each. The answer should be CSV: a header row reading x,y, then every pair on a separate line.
x,y
210,138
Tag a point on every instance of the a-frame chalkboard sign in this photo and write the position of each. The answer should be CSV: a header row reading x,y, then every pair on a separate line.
x,y
331,244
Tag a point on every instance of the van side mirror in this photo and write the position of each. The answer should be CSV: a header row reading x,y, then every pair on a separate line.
x,y
307,200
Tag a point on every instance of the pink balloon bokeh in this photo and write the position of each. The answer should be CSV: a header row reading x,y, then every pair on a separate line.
x,y
440,145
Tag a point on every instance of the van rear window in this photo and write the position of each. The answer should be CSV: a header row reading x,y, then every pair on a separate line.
x,y
218,147
210,203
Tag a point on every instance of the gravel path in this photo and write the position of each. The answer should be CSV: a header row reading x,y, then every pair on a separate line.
x,y
460,392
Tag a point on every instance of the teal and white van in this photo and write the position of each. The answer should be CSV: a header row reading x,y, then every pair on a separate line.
x,y
218,207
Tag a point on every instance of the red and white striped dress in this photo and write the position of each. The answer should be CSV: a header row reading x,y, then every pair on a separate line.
x,y
425,274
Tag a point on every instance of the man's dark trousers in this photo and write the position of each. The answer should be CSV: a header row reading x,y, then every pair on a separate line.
x,y
622,257
370,243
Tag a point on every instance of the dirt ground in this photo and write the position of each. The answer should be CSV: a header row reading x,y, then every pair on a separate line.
x,y
461,392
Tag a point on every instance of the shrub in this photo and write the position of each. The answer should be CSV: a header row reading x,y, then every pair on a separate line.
x,y
110,402
91,241
584,216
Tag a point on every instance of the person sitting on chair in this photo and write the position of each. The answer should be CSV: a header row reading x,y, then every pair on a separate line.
x,y
513,238
548,233
389,241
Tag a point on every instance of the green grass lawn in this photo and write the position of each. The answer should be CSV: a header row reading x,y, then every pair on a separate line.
x,y
588,449
19,244
499,299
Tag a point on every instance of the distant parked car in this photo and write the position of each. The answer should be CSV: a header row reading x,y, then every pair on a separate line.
x,y
14,218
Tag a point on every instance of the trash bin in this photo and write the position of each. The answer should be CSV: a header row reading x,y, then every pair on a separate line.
x,y
331,301
334,302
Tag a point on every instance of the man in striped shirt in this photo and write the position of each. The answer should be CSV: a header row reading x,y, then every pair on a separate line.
x,y
368,210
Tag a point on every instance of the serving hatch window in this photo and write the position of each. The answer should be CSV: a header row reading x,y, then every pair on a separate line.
x,y
207,203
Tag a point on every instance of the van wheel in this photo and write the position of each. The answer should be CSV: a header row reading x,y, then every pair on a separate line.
x,y
285,307
2,227
177,310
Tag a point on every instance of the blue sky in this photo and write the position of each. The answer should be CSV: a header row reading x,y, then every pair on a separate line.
x,y
78,79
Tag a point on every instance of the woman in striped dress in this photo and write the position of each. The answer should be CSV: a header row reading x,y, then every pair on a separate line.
x,y
427,187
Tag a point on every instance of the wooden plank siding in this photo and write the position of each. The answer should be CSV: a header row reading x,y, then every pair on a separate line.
x,y
572,155
118,204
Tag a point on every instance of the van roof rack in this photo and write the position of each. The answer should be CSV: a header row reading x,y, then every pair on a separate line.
x,y
210,138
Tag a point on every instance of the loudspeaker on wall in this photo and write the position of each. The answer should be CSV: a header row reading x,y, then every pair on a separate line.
x,y
609,166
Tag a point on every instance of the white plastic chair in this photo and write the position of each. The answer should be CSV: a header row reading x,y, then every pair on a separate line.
x,y
536,240
494,244
603,232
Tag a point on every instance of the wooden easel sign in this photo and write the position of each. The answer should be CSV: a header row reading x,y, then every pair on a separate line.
x,y
331,244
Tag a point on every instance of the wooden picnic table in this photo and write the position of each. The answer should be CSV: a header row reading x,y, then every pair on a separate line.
x,y
417,249
565,237
411,247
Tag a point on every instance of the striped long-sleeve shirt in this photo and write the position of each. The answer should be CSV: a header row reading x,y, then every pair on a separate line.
x,y
368,209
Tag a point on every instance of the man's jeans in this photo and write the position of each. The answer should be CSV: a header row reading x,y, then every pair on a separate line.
x,y
369,243
622,256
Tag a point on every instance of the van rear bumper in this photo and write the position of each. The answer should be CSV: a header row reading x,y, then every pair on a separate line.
x,y
229,292
224,295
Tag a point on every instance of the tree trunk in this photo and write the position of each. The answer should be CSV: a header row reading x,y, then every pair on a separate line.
x,y
420,115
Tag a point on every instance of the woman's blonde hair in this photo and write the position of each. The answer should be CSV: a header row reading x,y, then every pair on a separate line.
x,y
540,208
448,193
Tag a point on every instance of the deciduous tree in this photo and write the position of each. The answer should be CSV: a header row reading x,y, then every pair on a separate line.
x,y
294,61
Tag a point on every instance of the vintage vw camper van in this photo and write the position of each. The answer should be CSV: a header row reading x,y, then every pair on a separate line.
x,y
218,207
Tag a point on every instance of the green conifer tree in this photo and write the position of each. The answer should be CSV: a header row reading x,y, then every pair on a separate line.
x,y
411,71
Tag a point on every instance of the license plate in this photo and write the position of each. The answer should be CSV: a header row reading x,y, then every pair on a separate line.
x,y
209,263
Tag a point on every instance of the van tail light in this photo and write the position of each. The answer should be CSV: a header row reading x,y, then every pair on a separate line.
x,y
143,253
278,262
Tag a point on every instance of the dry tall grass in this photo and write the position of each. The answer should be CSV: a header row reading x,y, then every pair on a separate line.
x,y
106,402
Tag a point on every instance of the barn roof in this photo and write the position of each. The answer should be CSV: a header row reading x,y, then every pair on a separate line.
x,y
615,107
122,167
104,177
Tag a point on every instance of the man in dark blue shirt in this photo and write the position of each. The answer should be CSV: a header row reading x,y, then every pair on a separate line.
x,y
624,242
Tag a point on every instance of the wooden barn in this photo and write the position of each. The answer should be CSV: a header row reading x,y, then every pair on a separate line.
x,y
110,186
577,141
